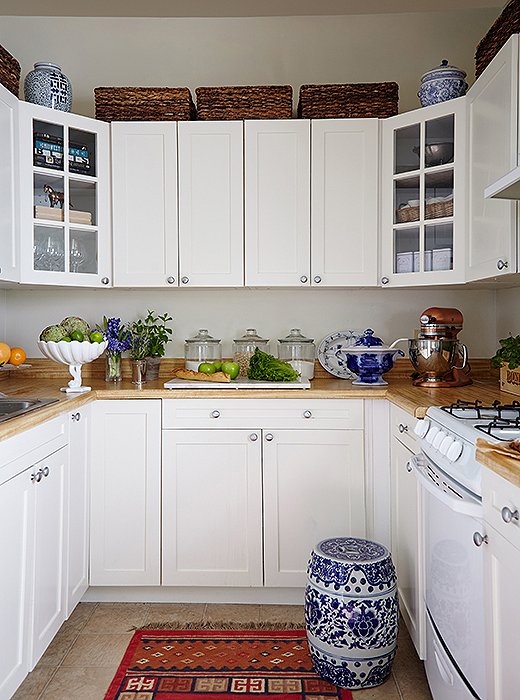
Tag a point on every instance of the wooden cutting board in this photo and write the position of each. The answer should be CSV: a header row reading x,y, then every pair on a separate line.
x,y
238,383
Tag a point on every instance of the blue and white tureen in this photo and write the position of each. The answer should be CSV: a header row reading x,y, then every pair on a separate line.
x,y
369,358
442,83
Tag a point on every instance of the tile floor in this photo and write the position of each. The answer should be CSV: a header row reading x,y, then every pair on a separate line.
x,y
84,656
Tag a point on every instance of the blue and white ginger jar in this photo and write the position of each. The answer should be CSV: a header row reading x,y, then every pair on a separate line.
x,y
352,612
46,85
442,83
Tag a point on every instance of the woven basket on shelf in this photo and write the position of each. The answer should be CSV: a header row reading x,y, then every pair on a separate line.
x,y
9,71
431,211
244,102
504,26
350,100
144,104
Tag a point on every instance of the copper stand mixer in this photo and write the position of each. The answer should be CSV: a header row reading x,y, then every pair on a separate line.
x,y
440,360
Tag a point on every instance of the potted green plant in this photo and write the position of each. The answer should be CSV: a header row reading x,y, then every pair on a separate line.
x,y
159,334
138,350
507,358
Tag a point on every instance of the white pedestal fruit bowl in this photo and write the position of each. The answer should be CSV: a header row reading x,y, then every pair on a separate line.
x,y
74,354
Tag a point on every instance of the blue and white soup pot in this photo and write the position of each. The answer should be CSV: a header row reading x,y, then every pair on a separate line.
x,y
442,83
369,358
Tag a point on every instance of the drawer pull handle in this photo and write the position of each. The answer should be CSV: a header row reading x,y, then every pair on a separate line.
x,y
46,471
269,437
402,428
37,477
307,414
508,515
409,467
215,414
253,437
479,540
76,417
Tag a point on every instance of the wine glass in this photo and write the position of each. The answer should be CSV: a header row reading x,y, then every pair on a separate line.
x,y
77,255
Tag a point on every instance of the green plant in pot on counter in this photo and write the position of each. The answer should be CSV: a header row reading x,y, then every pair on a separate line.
x,y
508,353
159,334
139,349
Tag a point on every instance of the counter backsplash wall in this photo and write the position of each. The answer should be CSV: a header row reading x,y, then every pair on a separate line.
x,y
226,313
508,315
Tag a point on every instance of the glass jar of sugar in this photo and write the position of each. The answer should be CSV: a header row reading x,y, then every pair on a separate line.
x,y
299,352
201,348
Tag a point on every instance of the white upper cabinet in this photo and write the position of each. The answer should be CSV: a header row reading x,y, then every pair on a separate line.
x,y
493,139
423,197
344,194
277,203
211,210
9,269
144,183
64,192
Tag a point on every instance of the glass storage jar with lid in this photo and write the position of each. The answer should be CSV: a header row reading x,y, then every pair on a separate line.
x,y
299,352
244,348
201,348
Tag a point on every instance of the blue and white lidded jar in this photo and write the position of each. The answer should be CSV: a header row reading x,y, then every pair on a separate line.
x,y
351,612
46,85
442,83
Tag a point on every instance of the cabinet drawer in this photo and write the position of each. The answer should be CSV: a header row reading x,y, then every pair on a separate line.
x,y
337,414
402,424
501,501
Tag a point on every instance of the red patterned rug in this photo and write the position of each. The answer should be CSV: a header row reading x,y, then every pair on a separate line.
x,y
217,665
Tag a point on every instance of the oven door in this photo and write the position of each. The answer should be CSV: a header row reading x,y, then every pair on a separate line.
x,y
453,560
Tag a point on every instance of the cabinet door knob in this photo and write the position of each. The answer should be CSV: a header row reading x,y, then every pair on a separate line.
x,y
479,540
307,414
317,279
402,428
303,279
170,280
508,515
37,477
76,417
502,264
105,280
269,437
409,467
384,280
253,437
46,471
215,414
185,280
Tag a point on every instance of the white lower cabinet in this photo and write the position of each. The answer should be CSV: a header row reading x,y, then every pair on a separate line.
x,y
125,520
406,512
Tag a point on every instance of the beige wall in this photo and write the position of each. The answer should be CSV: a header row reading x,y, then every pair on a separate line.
x,y
225,51
508,312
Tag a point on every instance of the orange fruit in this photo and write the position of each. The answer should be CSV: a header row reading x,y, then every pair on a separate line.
x,y
17,356
5,353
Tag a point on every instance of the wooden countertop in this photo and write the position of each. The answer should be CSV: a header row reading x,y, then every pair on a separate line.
x,y
501,459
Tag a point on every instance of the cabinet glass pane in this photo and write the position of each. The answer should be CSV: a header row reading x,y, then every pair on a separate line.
x,y
440,140
48,145
83,255
48,197
406,250
438,253
82,196
406,148
406,200
49,248
82,152
438,193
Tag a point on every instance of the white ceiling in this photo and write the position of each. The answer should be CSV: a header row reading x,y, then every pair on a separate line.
x,y
231,8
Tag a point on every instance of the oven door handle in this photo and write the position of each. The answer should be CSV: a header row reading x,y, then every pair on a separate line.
x,y
473,508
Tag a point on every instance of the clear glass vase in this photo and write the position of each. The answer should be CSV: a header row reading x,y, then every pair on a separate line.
x,y
113,367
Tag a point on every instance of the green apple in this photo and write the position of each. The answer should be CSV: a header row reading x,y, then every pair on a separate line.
x,y
77,335
231,368
207,368
96,337
217,365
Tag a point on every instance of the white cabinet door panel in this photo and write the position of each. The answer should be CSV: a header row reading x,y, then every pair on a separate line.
x,y
144,186
345,173
277,202
9,269
211,220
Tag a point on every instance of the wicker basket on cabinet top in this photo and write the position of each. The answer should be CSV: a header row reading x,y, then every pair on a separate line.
x,y
9,71
244,102
349,100
506,24
144,104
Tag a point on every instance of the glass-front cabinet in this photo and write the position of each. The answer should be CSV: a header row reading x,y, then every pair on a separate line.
x,y
423,196
64,202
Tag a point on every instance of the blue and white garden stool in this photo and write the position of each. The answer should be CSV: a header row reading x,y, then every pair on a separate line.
x,y
351,612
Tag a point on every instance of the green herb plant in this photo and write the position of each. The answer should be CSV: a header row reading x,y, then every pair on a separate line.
x,y
139,340
269,368
508,353
158,333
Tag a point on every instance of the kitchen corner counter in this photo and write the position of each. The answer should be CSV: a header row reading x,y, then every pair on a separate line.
x,y
501,459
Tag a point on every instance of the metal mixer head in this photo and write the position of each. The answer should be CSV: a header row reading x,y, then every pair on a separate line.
x,y
440,323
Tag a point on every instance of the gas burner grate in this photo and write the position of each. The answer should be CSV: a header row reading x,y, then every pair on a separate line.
x,y
508,428
477,410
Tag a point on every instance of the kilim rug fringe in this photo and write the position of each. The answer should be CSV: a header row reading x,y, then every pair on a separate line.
x,y
221,625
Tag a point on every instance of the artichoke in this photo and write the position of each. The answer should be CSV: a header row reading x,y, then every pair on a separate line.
x,y
75,323
53,333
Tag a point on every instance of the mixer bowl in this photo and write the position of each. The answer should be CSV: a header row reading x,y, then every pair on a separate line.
x,y
436,358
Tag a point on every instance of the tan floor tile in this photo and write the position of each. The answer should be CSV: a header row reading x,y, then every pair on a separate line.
x,y
230,613
171,613
115,617
282,614
79,684
98,650
413,686
386,691
80,616
34,684
58,648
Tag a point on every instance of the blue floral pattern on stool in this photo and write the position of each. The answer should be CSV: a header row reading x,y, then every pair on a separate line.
x,y
351,611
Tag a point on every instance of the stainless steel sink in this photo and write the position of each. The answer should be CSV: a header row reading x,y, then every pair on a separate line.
x,y
13,407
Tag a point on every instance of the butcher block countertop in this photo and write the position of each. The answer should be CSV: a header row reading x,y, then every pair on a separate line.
x,y
44,379
500,458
